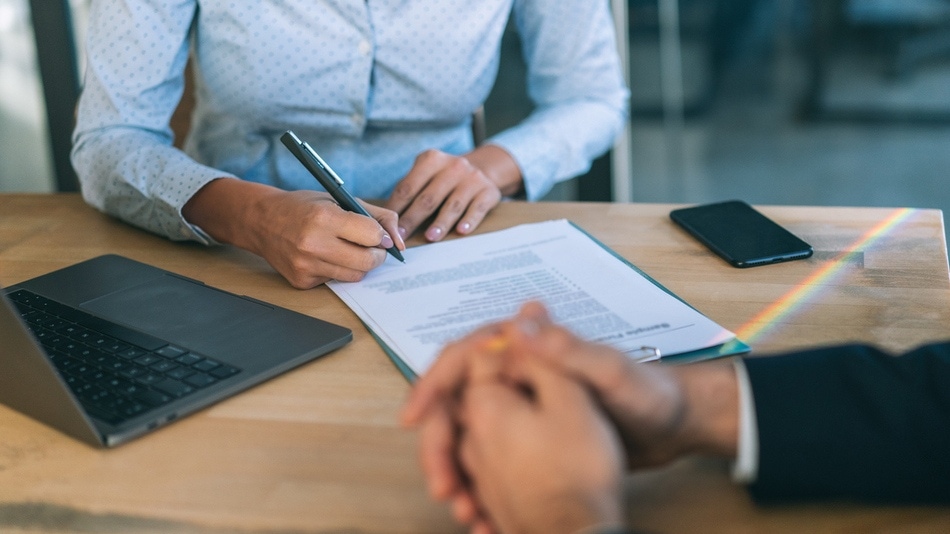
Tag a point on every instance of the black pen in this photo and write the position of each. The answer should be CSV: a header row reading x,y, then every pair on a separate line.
x,y
328,179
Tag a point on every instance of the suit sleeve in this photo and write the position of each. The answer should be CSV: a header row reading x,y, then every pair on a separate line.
x,y
853,423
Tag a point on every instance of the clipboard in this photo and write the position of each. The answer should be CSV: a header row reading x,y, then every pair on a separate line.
x,y
730,348
364,297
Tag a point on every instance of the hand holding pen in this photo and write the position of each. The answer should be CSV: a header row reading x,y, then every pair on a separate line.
x,y
328,179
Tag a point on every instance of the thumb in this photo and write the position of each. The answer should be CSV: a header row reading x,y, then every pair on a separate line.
x,y
593,364
552,389
487,410
488,405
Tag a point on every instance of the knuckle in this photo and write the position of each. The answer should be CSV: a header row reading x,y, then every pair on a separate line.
x,y
403,190
461,166
299,275
299,266
370,260
482,207
427,201
320,217
488,200
454,206
388,217
427,155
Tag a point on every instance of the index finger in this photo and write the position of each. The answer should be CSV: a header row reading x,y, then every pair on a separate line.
x,y
450,371
389,220
355,228
452,367
426,165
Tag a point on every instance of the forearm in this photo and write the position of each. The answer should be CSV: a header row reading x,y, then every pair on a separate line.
x,y
225,208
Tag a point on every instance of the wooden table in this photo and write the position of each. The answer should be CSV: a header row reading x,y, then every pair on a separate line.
x,y
319,449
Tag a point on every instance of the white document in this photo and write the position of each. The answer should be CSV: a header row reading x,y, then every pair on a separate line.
x,y
445,290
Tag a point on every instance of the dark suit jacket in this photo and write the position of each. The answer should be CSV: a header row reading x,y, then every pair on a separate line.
x,y
853,423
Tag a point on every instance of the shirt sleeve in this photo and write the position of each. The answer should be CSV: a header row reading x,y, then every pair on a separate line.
x,y
746,466
122,146
576,83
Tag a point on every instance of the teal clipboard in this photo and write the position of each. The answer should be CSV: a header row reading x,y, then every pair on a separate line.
x,y
406,371
730,348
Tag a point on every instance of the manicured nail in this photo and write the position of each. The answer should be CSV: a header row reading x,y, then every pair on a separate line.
x,y
465,228
386,242
402,232
434,233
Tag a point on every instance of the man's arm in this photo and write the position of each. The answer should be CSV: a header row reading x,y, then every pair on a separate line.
x,y
842,422
853,423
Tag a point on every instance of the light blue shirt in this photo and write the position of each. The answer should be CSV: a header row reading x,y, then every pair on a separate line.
x,y
369,84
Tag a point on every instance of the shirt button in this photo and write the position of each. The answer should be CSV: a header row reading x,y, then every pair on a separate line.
x,y
364,48
357,119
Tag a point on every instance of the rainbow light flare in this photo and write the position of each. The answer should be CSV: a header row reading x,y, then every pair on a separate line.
x,y
792,301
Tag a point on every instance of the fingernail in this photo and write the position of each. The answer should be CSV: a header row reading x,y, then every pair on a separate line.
x,y
465,227
402,232
386,242
434,233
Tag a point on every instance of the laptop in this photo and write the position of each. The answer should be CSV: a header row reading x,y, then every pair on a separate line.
x,y
109,349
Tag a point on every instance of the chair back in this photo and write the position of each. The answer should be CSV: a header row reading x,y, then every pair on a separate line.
x,y
59,71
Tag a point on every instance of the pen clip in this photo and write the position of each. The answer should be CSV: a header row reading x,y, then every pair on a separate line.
x,y
645,353
323,165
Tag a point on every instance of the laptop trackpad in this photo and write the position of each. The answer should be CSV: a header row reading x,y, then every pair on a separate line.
x,y
174,309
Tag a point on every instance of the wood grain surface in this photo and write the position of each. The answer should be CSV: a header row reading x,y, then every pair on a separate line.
x,y
319,448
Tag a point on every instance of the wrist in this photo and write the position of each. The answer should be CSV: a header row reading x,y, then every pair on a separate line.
x,y
711,419
225,208
499,167
204,207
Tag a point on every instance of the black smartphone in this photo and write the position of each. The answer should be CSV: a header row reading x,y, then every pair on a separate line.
x,y
740,235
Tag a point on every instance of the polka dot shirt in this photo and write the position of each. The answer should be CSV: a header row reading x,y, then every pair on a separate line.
x,y
368,83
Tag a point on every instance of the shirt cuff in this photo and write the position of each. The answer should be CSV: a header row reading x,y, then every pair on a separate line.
x,y
746,468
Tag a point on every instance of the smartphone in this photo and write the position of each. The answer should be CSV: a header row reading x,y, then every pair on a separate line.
x,y
740,235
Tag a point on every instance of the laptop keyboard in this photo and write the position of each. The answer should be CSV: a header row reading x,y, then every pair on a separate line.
x,y
115,372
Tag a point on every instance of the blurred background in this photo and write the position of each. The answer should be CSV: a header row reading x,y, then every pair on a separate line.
x,y
806,102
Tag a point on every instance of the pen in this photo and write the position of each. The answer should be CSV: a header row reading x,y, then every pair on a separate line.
x,y
328,179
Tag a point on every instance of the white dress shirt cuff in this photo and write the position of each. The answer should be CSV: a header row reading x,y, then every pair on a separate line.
x,y
746,467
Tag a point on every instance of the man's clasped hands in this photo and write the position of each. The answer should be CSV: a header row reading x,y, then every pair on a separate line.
x,y
523,427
